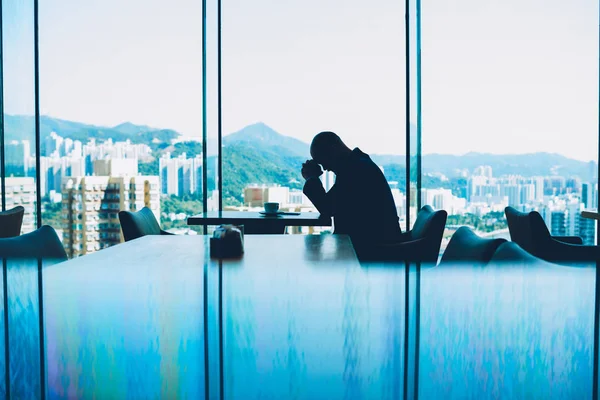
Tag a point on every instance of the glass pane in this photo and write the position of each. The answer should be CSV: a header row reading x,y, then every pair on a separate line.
x,y
212,105
415,119
23,329
305,333
125,333
19,109
506,331
122,116
510,106
293,69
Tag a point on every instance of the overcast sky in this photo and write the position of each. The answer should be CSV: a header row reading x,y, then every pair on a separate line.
x,y
500,76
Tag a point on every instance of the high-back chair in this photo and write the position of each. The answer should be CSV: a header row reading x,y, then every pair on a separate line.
x,y
11,222
140,223
529,231
422,243
465,247
43,243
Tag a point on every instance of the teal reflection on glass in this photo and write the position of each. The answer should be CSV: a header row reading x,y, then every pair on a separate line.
x,y
131,332
308,333
23,329
504,332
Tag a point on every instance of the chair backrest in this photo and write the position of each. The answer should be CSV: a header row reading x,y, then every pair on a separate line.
x,y
430,225
466,247
539,229
528,230
42,243
519,226
11,221
138,224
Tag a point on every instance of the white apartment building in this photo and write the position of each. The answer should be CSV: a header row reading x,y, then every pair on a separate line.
x,y
21,192
90,207
180,175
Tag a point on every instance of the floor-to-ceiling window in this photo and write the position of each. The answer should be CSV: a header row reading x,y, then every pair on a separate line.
x,y
293,69
510,112
18,102
121,124
502,96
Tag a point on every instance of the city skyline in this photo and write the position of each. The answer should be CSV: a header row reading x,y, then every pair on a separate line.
x,y
476,198
183,138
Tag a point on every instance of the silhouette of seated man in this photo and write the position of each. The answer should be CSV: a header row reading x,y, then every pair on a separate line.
x,y
360,201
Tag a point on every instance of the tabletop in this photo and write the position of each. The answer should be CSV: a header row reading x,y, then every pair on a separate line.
x,y
591,214
255,222
295,317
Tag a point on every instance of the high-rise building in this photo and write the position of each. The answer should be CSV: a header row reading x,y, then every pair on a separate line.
x,y
257,195
589,195
554,185
116,167
54,168
538,183
483,170
180,175
54,144
587,230
21,192
18,157
527,193
513,192
573,185
563,218
90,207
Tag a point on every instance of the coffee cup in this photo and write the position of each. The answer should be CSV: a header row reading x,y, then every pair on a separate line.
x,y
271,207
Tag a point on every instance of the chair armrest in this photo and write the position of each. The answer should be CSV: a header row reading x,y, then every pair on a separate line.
x,y
569,239
557,251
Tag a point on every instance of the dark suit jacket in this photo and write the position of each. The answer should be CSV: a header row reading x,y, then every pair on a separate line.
x,y
360,202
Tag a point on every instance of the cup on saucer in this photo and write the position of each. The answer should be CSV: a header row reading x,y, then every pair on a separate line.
x,y
271,207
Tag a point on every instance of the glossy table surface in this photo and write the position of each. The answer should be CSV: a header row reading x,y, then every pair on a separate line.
x,y
295,317
256,223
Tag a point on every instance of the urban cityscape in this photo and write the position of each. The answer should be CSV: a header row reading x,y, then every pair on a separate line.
x,y
84,184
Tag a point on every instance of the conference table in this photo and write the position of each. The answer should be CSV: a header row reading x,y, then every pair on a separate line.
x,y
257,223
294,317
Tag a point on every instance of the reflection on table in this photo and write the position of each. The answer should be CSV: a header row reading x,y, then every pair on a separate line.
x,y
295,317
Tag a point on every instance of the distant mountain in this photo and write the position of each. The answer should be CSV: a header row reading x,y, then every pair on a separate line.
x,y
259,154
22,127
243,165
262,136
131,129
532,164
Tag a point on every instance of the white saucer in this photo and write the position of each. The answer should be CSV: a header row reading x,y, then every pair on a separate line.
x,y
273,214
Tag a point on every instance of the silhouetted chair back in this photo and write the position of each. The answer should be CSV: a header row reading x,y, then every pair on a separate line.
x,y
138,224
11,221
468,248
529,231
42,243
422,243
512,252
519,226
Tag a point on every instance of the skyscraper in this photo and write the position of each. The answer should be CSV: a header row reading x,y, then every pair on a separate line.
x,y
91,205
588,195
180,175
21,192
